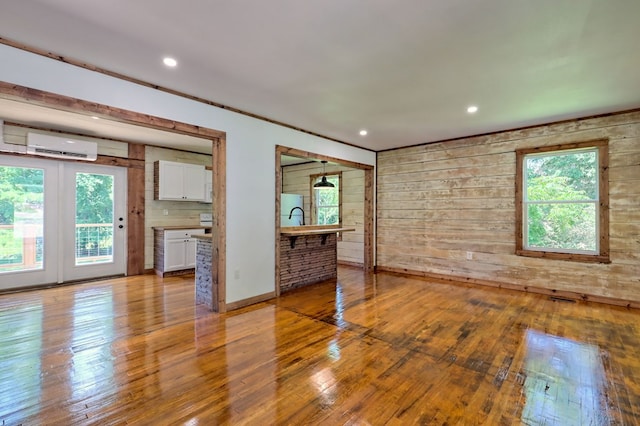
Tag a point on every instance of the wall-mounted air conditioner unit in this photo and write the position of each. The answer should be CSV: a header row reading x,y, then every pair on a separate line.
x,y
59,147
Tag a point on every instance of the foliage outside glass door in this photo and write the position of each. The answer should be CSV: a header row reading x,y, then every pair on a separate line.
x,y
21,218
94,218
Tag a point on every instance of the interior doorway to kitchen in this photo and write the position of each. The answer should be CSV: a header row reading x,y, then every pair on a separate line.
x,y
367,194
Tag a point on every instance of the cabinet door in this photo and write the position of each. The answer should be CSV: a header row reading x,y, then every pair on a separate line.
x,y
171,181
174,255
193,182
190,253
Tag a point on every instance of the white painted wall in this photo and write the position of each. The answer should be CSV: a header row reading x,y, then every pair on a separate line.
x,y
250,154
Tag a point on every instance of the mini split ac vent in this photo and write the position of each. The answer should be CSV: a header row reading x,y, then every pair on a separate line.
x,y
59,147
56,153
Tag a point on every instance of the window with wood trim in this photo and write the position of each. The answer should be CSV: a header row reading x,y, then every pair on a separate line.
x,y
562,199
326,203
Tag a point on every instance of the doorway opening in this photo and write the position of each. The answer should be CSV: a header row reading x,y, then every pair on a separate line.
x,y
365,185
118,118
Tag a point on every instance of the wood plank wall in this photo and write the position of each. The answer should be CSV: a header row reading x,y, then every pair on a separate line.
x,y
295,180
436,202
180,213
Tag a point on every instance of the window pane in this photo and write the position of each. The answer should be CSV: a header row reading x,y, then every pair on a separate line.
x,y
328,202
562,226
328,216
21,218
569,176
94,218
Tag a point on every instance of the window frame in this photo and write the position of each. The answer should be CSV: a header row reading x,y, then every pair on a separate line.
x,y
602,204
314,204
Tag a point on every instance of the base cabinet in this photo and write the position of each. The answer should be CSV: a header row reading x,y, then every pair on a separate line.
x,y
175,251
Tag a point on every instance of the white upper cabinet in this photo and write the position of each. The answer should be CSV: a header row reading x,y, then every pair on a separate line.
x,y
193,183
179,181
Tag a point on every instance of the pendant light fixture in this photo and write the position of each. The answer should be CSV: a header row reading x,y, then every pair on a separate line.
x,y
324,183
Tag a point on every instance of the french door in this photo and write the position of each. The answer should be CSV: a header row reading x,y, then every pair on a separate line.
x,y
60,221
93,221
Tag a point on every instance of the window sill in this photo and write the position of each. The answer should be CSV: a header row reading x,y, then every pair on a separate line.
x,y
573,257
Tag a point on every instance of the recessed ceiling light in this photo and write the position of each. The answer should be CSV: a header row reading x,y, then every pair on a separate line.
x,y
472,109
363,132
170,62
95,118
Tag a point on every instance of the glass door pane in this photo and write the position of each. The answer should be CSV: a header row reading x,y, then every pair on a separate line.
x,y
60,221
21,219
94,219
93,228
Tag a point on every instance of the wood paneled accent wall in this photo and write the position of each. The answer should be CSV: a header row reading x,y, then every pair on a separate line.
x,y
436,202
180,213
295,180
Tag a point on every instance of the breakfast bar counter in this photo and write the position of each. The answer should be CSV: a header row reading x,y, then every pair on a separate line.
x,y
308,254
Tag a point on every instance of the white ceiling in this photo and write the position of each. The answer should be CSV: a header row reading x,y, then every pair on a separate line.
x,y
405,70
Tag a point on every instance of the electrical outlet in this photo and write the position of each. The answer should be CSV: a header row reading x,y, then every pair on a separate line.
x,y
469,255
236,274
165,212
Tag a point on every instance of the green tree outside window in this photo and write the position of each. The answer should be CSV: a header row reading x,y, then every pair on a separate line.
x,y
560,204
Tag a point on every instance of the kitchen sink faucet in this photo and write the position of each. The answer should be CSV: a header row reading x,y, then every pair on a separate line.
x,y
292,210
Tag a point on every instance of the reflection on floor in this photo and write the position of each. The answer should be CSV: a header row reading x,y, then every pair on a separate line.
x,y
369,349
565,382
20,357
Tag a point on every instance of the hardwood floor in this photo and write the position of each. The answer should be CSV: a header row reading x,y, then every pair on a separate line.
x,y
372,349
